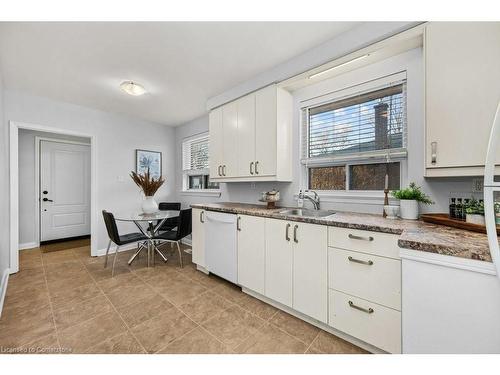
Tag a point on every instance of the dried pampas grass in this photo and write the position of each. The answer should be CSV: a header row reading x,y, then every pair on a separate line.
x,y
149,185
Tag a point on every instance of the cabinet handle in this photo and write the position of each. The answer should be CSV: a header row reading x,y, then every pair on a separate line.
x,y
368,263
295,239
238,227
202,214
256,170
287,236
433,152
223,170
368,310
251,167
354,237
218,169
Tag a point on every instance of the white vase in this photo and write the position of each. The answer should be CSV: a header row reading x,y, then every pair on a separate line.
x,y
408,209
475,219
149,205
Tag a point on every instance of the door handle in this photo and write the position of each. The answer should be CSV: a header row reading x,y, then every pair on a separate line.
x,y
433,152
47,200
368,310
287,236
256,170
354,260
354,237
238,227
251,167
202,214
295,239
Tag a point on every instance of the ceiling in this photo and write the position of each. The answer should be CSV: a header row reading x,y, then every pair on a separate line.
x,y
181,64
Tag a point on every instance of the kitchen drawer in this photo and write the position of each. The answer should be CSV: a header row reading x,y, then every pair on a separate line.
x,y
377,243
381,327
368,276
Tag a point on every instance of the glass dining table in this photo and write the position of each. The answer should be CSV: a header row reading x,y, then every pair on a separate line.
x,y
148,224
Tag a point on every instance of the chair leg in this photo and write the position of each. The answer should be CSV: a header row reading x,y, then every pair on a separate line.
x,y
180,252
114,261
107,251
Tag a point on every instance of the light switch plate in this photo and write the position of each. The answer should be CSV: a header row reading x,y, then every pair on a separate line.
x,y
120,178
477,185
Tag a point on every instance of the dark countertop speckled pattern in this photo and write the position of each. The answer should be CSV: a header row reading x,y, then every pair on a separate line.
x,y
414,235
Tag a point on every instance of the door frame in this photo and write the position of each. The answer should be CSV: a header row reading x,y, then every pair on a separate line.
x,y
38,218
14,127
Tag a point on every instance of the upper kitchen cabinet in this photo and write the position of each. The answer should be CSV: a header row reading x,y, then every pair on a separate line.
x,y
462,91
251,137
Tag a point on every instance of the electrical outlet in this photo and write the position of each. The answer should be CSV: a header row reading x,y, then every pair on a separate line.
x,y
252,185
477,185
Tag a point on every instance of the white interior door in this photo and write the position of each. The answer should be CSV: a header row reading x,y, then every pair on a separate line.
x,y
64,190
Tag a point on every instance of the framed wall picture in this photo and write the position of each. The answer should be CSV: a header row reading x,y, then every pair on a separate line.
x,y
145,159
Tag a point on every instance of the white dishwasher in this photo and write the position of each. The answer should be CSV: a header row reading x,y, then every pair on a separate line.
x,y
221,245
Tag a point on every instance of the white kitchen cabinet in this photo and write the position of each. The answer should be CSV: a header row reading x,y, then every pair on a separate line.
x,y
251,252
256,138
279,261
462,91
310,270
198,237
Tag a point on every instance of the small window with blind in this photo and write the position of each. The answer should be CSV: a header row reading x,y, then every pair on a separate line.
x,y
356,142
195,167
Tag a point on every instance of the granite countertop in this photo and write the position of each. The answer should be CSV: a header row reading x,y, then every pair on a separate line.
x,y
414,234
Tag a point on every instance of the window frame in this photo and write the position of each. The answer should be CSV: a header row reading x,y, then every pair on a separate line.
x,y
369,157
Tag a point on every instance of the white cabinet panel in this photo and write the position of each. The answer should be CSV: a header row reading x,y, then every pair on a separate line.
x,y
310,270
265,131
251,252
462,78
216,143
198,237
230,136
279,259
246,135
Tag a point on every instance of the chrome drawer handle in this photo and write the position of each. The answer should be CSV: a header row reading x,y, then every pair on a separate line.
x,y
354,237
256,170
433,152
287,236
368,311
238,227
202,215
295,239
251,167
218,170
368,263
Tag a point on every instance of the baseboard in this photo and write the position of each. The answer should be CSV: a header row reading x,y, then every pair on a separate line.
x,y
3,288
28,245
127,247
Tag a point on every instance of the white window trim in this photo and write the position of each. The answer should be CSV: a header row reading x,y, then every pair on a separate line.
x,y
399,155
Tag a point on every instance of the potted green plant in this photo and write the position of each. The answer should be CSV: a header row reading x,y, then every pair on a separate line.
x,y
409,198
474,211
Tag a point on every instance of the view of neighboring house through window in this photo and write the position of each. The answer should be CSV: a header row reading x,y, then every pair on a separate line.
x,y
352,143
195,163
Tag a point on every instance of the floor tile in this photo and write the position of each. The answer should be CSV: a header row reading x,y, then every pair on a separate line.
x,y
72,314
127,279
205,306
179,291
233,326
229,291
296,327
85,335
144,309
73,296
257,307
124,343
330,344
198,341
271,340
156,333
58,257
70,283
127,295
30,299
44,345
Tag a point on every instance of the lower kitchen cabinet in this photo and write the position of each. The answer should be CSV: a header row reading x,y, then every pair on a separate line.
x,y
251,252
198,237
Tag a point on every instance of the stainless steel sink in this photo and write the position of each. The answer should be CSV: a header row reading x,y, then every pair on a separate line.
x,y
306,212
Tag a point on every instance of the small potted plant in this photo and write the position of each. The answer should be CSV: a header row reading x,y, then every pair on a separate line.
x,y
409,199
149,186
475,212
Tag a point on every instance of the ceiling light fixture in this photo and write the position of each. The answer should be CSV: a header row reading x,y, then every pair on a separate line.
x,y
338,66
132,88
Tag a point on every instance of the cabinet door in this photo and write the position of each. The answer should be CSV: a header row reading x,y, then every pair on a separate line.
x,y
251,252
246,135
310,270
265,131
279,255
230,144
198,237
462,91
216,142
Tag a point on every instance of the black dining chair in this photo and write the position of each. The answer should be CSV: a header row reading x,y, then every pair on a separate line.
x,y
114,237
175,236
171,222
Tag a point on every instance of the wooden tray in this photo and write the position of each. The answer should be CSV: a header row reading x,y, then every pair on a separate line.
x,y
443,219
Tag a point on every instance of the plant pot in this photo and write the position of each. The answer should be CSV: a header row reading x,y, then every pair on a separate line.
x,y
475,219
149,205
408,209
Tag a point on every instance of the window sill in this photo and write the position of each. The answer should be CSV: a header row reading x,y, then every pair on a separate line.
x,y
202,193
357,197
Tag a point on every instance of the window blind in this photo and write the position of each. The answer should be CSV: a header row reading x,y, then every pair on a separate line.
x,y
195,155
364,125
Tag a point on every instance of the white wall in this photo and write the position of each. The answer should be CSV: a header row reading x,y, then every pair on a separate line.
x,y
439,189
28,236
117,137
4,194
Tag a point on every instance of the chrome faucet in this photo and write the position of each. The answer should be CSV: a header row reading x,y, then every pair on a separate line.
x,y
314,201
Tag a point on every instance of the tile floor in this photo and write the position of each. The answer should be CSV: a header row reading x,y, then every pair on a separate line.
x,y
66,302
